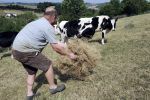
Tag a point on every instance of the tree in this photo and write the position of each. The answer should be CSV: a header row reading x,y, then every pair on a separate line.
x,y
131,7
116,6
112,9
90,12
43,6
148,6
106,10
72,9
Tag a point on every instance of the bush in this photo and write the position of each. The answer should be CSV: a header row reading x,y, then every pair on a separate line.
x,y
2,13
90,13
16,24
112,9
128,7
132,7
72,9
6,24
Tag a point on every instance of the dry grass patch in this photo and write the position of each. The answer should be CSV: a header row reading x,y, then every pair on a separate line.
x,y
122,70
83,65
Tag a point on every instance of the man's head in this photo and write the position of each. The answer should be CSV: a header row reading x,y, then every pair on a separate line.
x,y
51,14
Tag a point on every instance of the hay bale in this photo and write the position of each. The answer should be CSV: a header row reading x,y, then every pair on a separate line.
x,y
83,65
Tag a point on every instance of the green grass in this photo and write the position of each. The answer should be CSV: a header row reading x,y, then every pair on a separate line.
x,y
122,73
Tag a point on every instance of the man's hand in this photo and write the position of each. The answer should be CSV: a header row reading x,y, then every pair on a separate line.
x,y
72,56
62,49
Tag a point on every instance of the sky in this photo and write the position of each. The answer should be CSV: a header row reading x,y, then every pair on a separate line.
x,y
32,1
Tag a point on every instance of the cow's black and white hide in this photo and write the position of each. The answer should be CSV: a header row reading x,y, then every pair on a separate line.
x,y
86,27
76,28
6,40
104,24
68,29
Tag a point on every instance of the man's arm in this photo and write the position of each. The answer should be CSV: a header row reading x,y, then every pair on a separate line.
x,y
62,49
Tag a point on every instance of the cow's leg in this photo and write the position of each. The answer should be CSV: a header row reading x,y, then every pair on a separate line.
x,y
75,37
0,53
63,38
103,38
1,57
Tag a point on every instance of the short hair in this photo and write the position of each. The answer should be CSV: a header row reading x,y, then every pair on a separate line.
x,y
50,11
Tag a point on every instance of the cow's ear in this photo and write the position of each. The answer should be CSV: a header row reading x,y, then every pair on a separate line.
x,y
116,19
104,19
109,19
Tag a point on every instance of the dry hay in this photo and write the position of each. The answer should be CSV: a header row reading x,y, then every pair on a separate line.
x,y
83,65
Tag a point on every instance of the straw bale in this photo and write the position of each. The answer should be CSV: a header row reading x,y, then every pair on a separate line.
x,y
83,65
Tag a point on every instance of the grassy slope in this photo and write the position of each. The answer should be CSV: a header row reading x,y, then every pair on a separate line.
x,y
121,74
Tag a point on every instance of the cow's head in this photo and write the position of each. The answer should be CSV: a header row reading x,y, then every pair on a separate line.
x,y
57,30
106,24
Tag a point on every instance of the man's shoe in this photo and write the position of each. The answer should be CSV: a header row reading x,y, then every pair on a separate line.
x,y
33,96
58,89
29,97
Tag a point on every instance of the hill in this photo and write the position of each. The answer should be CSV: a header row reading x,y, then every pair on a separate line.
x,y
122,73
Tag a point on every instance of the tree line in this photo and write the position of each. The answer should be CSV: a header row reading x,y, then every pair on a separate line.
x,y
74,9
127,7
17,7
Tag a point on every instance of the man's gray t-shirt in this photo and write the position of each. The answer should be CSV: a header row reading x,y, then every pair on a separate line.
x,y
35,36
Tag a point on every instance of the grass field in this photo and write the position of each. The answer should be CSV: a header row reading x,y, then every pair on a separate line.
x,y
122,73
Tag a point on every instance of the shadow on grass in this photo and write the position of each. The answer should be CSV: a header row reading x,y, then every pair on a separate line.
x,y
41,79
63,77
5,55
98,41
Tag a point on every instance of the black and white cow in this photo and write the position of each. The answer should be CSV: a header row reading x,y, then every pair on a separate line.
x,y
86,27
6,39
105,24
74,28
9,15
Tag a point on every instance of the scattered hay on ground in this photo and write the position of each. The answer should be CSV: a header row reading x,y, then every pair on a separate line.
x,y
83,65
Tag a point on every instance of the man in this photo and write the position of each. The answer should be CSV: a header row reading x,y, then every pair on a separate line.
x,y
28,45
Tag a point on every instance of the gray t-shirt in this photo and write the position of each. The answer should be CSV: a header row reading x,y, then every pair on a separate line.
x,y
35,36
